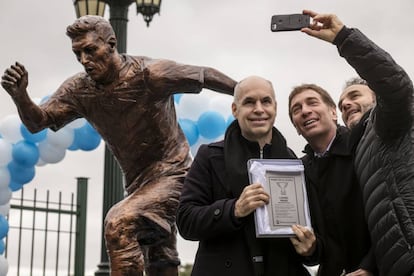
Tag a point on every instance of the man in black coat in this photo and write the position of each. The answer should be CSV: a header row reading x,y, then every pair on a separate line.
x,y
217,204
383,138
335,198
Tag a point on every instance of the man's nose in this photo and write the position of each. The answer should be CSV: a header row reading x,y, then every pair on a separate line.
x,y
306,109
345,105
82,58
258,107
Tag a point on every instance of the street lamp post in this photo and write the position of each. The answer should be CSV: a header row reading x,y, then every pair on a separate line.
x,y
118,17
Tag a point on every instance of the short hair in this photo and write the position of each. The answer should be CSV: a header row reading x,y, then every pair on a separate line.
x,y
354,81
90,23
357,81
326,98
239,84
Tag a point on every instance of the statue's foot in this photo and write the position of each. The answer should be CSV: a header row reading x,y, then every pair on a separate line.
x,y
162,271
126,273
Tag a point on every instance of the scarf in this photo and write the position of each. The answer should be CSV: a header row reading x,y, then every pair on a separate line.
x,y
237,151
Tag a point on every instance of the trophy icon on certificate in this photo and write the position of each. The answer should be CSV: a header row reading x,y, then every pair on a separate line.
x,y
282,186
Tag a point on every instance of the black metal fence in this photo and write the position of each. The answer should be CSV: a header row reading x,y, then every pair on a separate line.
x,y
47,237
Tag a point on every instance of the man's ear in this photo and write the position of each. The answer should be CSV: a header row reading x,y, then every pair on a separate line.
x,y
112,42
334,114
374,97
234,109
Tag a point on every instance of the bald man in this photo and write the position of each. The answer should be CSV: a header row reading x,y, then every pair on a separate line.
x,y
217,204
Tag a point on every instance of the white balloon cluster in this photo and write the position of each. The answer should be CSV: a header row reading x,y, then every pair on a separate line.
x,y
203,118
21,151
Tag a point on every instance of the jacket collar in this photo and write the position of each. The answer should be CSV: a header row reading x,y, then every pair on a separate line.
x,y
339,145
358,130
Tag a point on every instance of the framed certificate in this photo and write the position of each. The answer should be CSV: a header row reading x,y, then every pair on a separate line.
x,y
284,181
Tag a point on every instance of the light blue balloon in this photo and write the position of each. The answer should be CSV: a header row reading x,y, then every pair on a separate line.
x,y
44,99
15,186
190,130
211,124
4,227
86,138
177,98
32,137
230,120
25,153
74,146
20,174
2,247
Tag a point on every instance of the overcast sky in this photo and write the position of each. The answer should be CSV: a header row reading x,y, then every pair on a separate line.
x,y
233,36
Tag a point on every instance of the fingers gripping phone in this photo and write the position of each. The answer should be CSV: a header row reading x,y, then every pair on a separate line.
x,y
289,22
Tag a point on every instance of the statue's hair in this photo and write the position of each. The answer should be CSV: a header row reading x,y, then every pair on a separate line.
x,y
90,23
326,98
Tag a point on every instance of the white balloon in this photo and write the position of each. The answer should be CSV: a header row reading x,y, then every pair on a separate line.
x,y
10,128
41,163
4,178
37,100
4,266
222,104
50,153
4,209
5,195
62,138
202,140
76,123
5,152
191,106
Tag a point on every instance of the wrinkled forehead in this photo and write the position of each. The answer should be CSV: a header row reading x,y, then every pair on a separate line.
x,y
361,89
305,95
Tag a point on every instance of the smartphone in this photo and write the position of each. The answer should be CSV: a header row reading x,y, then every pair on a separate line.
x,y
289,22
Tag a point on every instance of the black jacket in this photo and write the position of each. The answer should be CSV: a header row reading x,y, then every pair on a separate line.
x,y
384,156
206,214
335,202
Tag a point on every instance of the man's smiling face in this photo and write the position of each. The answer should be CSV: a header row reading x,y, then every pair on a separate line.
x,y
311,116
255,109
354,102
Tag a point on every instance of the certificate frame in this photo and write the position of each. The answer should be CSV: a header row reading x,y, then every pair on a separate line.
x,y
284,181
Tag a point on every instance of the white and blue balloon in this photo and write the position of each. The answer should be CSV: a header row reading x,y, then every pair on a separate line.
x,y
203,118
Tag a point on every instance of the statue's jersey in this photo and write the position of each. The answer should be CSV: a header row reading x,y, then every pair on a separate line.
x,y
135,116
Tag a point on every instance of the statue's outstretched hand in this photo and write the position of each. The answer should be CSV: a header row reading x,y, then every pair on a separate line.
x,y
15,80
323,26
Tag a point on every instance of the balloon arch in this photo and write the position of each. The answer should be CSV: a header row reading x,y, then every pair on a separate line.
x,y
203,118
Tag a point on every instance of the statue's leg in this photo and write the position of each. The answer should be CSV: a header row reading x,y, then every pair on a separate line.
x,y
162,259
125,253
143,219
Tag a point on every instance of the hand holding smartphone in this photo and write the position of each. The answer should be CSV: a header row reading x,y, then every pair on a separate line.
x,y
289,22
